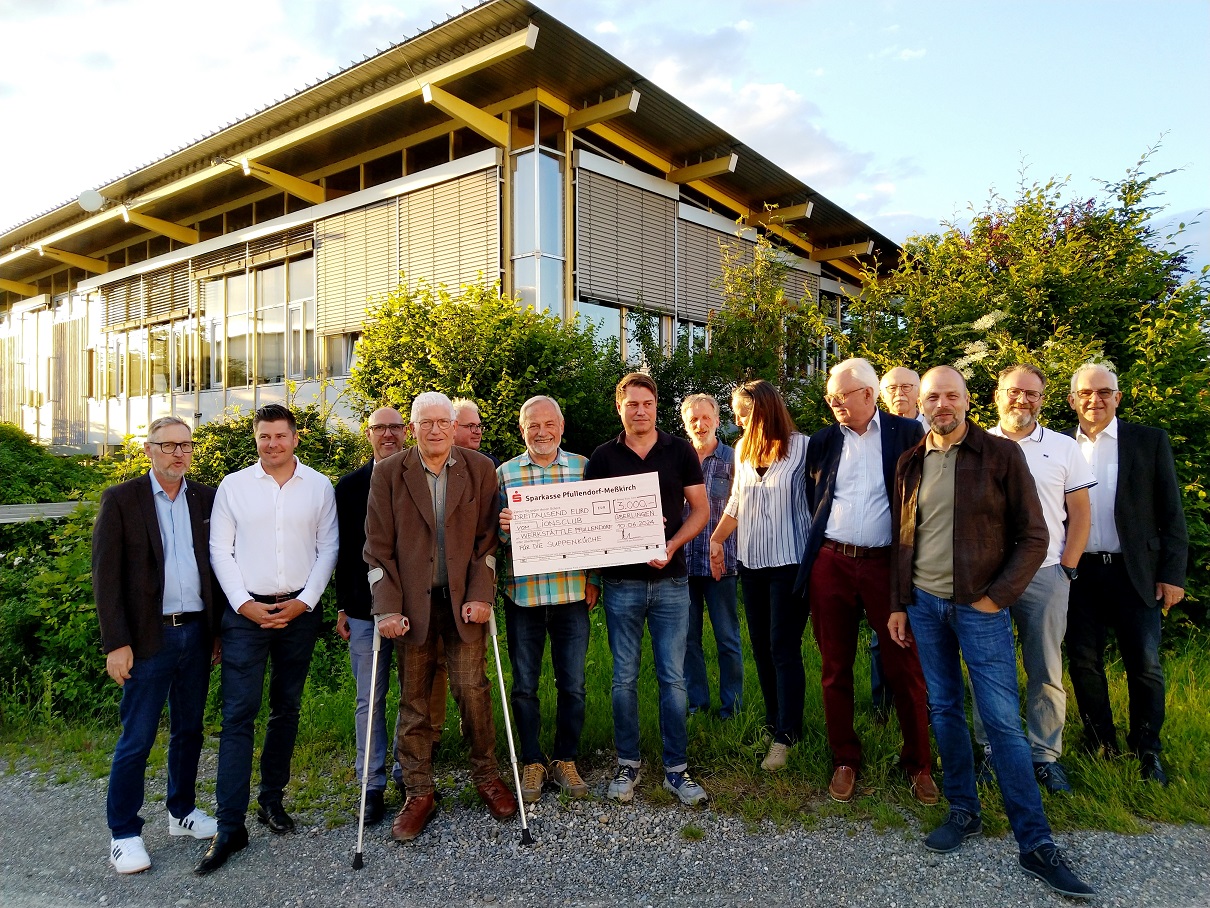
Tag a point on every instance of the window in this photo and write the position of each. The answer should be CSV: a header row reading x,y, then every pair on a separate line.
x,y
538,229
607,319
300,320
136,356
271,325
157,361
341,353
239,349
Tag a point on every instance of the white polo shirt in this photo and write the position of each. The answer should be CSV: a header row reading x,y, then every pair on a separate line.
x,y
1058,468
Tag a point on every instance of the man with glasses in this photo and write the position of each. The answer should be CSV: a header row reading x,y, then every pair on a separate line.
x,y
273,545
1063,479
386,431
900,393
1133,571
846,570
468,428
431,538
157,603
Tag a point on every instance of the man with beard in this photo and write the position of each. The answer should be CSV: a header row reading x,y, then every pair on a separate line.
x,y
1063,479
959,561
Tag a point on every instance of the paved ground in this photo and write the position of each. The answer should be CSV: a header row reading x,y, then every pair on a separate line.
x,y
53,845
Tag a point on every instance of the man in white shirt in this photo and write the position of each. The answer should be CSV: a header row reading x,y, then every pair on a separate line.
x,y
846,570
1133,571
273,545
1063,480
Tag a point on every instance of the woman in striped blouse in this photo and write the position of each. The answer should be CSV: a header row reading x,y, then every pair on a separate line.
x,y
769,507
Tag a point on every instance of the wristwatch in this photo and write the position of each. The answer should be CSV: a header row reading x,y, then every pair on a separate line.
x,y
1072,573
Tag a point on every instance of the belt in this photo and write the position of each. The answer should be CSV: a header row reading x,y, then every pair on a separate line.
x,y
1102,557
857,551
176,619
274,598
440,592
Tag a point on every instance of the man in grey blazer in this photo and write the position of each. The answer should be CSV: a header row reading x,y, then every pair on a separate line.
x,y
157,605
1133,569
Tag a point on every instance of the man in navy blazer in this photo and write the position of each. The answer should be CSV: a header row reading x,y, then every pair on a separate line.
x,y
158,606
1133,569
846,569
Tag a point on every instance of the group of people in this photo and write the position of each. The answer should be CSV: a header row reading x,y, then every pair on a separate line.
x,y
940,534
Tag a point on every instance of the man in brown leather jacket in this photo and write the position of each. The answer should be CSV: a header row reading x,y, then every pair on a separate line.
x,y
431,539
969,536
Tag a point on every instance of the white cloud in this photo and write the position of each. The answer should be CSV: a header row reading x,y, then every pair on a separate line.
x,y
605,28
911,54
895,52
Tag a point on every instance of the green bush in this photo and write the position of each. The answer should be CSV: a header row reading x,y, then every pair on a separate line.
x,y
485,346
33,474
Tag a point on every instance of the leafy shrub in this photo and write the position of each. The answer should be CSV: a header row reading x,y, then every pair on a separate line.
x,y
33,474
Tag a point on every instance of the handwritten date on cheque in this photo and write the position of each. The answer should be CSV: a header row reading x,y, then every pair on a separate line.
x,y
594,523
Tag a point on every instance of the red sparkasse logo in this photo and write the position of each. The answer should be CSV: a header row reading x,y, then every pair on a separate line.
x,y
517,497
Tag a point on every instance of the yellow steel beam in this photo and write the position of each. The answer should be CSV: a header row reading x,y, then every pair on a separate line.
x,y
832,253
481,58
470,116
19,288
83,262
186,235
703,171
781,215
308,192
606,110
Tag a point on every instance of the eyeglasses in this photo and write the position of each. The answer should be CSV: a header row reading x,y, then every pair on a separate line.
x,y
838,399
1032,396
388,427
471,426
905,389
171,447
1101,393
426,425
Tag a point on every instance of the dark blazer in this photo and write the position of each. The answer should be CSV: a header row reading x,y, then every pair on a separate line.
x,y
1148,511
352,588
401,536
898,434
128,565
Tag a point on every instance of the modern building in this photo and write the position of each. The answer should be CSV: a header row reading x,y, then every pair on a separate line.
x,y
498,145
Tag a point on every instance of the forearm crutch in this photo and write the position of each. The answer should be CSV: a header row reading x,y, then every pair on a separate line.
x,y
526,838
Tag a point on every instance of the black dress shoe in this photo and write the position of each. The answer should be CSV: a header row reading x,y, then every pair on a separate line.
x,y
222,846
1151,768
375,808
275,817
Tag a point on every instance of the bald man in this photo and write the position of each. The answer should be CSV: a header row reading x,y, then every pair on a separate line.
x,y
900,391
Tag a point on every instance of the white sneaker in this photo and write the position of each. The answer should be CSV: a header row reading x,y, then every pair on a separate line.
x,y
198,825
129,855
621,788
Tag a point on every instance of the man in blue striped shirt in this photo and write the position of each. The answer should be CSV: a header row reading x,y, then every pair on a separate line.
x,y
541,605
700,415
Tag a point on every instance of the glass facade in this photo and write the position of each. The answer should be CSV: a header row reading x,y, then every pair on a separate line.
x,y
538,250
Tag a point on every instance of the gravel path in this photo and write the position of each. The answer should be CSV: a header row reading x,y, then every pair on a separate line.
x,y
53,844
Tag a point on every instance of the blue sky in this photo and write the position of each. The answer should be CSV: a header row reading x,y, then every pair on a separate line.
x,y
906,113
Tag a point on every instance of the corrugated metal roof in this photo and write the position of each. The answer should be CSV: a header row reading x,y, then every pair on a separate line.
x,y
564,63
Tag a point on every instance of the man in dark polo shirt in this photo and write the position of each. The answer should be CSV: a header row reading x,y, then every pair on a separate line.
x,y
656,592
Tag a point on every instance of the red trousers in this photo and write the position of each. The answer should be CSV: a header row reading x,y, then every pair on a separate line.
x,y
841,588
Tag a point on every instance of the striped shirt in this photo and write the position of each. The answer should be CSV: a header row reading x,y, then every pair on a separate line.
x,y
772,511
718,469
560,588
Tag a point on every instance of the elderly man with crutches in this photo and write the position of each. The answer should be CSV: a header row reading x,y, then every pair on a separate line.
x,y
431,530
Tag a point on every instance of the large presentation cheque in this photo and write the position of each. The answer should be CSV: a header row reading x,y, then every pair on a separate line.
x,y
570,526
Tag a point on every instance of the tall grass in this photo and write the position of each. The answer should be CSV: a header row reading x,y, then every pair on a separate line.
x,y
723,754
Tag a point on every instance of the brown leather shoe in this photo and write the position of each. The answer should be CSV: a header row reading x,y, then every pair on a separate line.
x,y
499,800
413,816
924,789
843,784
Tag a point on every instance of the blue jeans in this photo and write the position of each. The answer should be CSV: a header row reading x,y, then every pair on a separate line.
x,y
179,675
946,633
361,659
718,596
527,628
664,606
247,650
